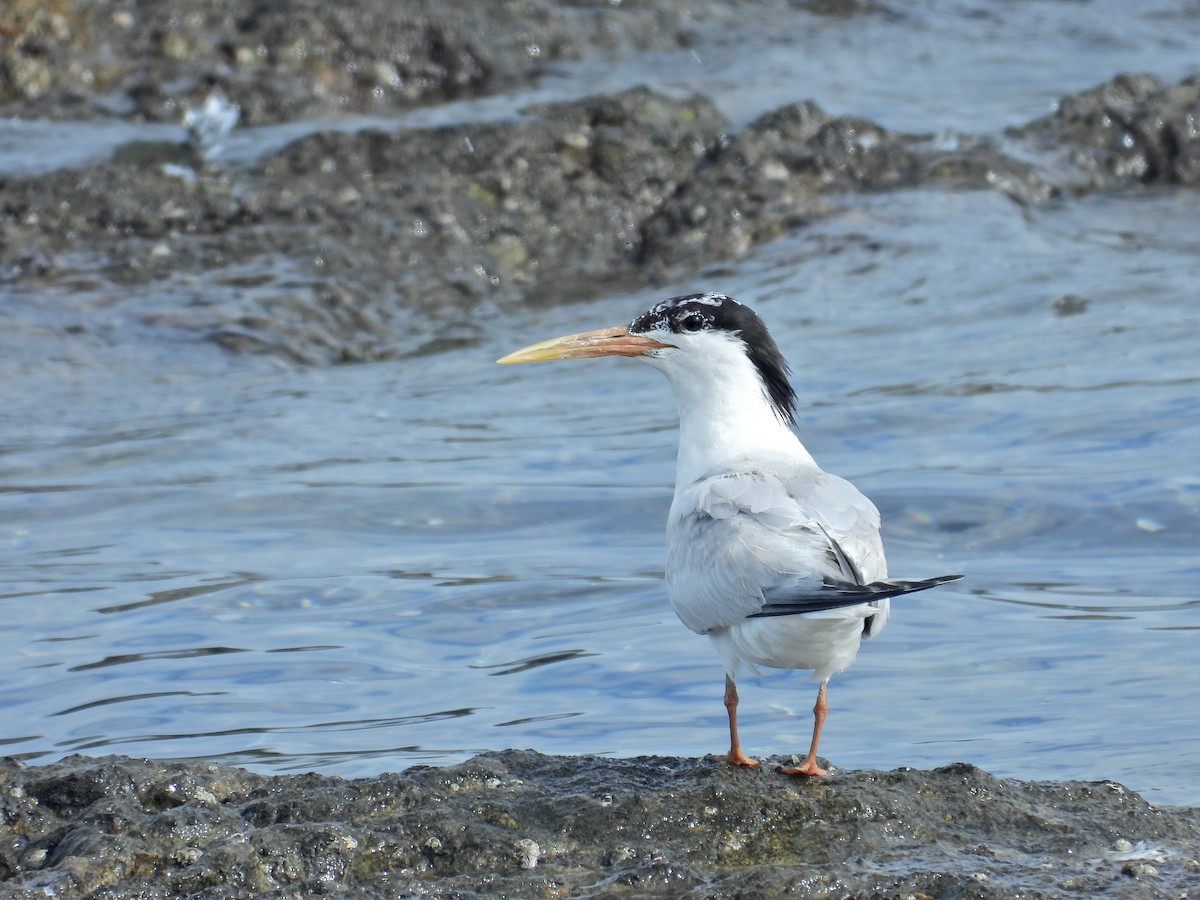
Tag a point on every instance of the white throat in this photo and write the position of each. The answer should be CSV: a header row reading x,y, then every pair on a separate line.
x,y
725,414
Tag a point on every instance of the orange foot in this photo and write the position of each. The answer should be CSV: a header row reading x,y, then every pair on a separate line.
x,y
735,759
809,767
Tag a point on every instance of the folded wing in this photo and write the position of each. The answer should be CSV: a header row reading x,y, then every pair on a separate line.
x,y
772,540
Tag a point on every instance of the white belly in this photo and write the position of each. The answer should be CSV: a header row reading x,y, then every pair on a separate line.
x,y
825,642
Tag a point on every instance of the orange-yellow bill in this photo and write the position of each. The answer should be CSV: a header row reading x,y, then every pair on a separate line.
x,y
601,342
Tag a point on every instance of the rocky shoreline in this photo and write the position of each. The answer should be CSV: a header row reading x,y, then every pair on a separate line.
x,y
517,823
348,246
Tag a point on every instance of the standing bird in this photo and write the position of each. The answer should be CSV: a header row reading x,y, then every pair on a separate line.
x,y
777,561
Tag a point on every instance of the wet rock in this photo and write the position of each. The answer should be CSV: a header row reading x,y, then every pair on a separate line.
x,y
342,242
1134,128
350,246
790,165
523,824
69,58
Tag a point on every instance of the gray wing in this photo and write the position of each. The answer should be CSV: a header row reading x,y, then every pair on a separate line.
x,y
770,540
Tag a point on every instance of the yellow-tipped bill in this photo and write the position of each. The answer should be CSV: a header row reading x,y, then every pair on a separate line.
x,y
601,342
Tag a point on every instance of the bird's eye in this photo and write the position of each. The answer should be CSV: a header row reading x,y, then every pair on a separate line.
x,y
692,322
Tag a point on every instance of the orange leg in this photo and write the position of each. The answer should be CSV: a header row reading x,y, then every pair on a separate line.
x,y
735,756
809,766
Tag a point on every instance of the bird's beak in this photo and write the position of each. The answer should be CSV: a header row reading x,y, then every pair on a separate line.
x,y
601,342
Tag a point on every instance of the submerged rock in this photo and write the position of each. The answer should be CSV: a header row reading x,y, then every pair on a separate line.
x,y
516,823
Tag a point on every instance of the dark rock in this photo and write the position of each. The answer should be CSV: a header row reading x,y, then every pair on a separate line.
x,y
1133,128
523,824
376,228
790,166
280,62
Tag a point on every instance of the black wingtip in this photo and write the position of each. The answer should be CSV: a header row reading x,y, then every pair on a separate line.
x,y
877,590
896,588
838,594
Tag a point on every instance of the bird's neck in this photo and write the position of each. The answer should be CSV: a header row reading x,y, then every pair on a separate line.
x,y
722,429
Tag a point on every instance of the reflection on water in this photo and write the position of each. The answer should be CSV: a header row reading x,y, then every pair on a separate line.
x,y
532,662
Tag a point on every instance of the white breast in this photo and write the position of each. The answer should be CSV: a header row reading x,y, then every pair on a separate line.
x,y
825,642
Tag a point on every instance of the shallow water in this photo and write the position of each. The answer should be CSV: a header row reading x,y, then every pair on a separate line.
x,y
361,568
947,64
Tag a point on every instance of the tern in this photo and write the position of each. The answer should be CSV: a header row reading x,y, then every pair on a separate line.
x,y
778,562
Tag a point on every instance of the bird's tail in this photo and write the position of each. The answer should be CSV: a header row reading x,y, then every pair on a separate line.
x,y
881,589
836,594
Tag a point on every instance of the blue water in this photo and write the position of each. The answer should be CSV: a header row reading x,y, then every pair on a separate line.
x,y
360,568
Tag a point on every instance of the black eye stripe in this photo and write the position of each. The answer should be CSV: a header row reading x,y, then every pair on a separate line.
x,y
687,315
720,313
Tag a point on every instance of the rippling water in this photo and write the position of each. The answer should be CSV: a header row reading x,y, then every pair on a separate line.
x,y
365,567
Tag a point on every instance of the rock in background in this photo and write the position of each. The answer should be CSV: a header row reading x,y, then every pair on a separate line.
x,y
358,245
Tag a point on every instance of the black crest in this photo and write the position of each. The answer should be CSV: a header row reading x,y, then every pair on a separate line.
x,y
717,312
